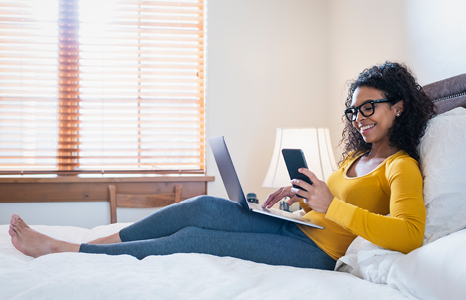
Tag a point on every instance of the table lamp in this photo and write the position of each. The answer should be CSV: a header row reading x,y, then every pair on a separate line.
x,y
315,143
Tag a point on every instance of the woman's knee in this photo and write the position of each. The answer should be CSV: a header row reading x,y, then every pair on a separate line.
x,y
209,203
203,198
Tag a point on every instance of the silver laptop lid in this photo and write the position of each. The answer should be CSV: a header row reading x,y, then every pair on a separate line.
x,y
227,170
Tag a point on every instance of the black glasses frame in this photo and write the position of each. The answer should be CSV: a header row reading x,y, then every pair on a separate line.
x,y
354,110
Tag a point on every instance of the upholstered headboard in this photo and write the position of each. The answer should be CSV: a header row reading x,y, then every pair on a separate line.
x,y
448,93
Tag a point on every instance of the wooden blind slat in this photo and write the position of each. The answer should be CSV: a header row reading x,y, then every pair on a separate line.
x,y
198,4
71,102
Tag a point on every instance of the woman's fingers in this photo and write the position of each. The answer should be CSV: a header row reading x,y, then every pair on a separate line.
x,y
293,200
318,194
302,184
276,197
271,199
271,202
309,174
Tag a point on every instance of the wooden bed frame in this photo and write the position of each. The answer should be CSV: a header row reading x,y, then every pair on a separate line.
x,y
448,93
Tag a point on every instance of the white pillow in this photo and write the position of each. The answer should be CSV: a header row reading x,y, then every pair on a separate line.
x,y
434,271
367,261
443,166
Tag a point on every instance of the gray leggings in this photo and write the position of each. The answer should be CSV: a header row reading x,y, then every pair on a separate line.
x,y
219,227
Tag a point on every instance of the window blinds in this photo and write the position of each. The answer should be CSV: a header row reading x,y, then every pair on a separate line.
x,y
101,86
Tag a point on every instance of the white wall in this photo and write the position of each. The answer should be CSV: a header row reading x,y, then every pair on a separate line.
x,y
361,33
428,35
436,38
284,63
266,69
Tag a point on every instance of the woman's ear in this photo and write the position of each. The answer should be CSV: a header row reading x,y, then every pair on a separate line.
x,y
399,107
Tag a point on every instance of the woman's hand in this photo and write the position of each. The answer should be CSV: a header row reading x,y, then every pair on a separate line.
x,y
279,195
317,195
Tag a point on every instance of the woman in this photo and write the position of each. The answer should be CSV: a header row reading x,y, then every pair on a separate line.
x,y
386,112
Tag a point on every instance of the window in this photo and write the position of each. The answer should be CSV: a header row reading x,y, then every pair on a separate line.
x,y
101,86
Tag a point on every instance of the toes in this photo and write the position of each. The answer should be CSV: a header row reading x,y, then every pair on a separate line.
x,y
20,222
18,230
15,227
14,218
12,232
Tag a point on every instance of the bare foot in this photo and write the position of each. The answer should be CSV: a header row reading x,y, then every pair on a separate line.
x,y
33,243
111,239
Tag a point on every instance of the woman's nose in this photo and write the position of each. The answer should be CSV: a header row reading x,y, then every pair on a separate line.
x,y
359,116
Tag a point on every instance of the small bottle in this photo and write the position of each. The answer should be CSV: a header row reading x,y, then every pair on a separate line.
x,y
252,198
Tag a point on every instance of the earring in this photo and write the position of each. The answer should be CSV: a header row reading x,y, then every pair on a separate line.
x,y
398,115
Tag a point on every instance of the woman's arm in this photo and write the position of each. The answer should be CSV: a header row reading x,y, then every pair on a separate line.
x,y
404,229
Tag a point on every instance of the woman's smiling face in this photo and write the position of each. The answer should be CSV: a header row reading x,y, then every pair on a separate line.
x,y
374,129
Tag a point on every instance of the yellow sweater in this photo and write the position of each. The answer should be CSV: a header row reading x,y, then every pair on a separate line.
x,y
360,206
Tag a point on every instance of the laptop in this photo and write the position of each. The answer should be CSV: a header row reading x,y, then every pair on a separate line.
x,y
235,191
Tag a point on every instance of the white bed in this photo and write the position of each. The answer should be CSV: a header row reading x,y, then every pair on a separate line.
x,y
178,276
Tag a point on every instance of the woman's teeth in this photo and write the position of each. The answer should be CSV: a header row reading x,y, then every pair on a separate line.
x,y
366,127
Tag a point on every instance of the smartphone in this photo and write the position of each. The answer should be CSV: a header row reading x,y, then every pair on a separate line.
x,y
294,160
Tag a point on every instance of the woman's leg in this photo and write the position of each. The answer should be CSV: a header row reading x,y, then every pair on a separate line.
x,y
225,229
110,239
202,212
288,247
219,227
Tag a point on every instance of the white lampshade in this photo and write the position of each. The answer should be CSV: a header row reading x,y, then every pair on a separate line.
x,y
315,143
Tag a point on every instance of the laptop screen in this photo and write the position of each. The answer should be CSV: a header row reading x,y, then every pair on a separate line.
x,y
227,170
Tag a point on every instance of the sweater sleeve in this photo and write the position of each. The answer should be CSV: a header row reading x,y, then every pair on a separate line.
x,y
404,229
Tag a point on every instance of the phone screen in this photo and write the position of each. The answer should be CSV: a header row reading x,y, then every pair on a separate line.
x,y
294,160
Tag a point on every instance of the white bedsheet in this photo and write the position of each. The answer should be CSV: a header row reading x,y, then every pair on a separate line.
x,y
178,276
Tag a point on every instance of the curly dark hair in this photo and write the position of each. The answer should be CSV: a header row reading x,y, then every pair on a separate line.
x,y
396,82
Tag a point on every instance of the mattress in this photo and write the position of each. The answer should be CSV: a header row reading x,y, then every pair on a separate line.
x,y
177,276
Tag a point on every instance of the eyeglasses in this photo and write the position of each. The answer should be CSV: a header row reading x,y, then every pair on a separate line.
x,y
367,109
